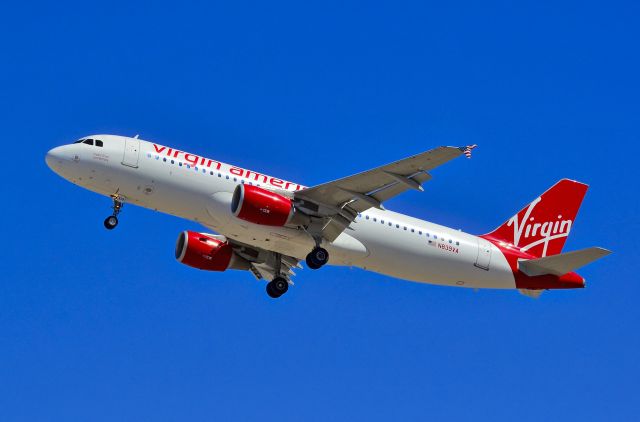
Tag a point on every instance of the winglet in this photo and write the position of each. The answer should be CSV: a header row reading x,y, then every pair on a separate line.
x,y
466,150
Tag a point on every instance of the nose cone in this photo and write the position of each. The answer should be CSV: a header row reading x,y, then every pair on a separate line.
x,y
55,159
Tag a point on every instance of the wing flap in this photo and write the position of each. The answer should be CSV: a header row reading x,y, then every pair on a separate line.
x,y
563,263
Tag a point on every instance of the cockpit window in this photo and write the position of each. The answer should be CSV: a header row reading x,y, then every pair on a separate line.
x,y
88,141
99,143
78,141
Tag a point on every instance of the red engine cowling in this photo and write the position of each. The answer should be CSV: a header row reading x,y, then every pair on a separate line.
x,y
260,206
204,252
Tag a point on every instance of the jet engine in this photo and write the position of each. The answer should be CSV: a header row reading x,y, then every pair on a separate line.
x,y
205,252
261,206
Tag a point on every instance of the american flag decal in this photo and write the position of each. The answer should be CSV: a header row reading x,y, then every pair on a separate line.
x,y
467,150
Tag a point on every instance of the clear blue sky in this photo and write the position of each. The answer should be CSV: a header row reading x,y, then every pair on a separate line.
x,y
98,325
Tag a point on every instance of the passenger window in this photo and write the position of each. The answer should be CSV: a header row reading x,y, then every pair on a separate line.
x,y
88,141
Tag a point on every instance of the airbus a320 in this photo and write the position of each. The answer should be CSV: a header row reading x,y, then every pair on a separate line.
x,y
268,226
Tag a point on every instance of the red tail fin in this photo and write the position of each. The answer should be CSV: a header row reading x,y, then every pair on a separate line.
x,y
542,227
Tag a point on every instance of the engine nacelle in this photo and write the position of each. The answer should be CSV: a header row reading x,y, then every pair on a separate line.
x,y
199,250
260,206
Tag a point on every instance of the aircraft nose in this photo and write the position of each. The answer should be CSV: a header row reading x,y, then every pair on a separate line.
x,y
54,158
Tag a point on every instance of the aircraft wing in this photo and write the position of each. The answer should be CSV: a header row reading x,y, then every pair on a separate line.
x,y
336,204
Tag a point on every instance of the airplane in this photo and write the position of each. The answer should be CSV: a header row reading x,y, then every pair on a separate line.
x,y
268,226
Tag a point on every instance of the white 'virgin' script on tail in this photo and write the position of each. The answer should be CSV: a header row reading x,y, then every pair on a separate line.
x,y
548,230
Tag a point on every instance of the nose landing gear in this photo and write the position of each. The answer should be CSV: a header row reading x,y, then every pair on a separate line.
x,y
111,222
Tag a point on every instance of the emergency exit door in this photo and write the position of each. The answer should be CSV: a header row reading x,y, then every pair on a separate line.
x,y
484,254
131,152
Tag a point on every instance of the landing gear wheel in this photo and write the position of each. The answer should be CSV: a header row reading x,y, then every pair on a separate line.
x,y
317,258
111,222
277,287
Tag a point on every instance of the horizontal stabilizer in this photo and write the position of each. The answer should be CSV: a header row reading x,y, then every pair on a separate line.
x,y
562,263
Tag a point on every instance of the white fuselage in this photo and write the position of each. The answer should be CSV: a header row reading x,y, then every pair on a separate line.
x,y
200,189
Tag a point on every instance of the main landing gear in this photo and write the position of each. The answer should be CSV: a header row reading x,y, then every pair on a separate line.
x,y
317,258
277,287
111,222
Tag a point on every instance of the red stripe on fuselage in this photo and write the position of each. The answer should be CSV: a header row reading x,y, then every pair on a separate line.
x,y
548,281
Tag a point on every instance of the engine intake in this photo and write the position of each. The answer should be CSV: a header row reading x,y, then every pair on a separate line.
x,y
199,250
260,206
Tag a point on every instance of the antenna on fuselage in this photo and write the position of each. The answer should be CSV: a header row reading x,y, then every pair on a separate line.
x,y
137,136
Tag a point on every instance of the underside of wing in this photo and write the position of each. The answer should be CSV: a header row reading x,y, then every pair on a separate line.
x,y
264,264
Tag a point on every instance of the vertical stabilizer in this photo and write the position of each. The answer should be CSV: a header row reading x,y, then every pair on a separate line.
x,y
541,228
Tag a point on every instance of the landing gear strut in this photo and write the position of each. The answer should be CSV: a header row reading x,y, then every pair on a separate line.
x,y
277,287
317,258
111,222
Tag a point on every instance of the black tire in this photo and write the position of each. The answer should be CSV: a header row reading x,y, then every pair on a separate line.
x,y
317,258
271,292
311,263
280,285
111,222
277,287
